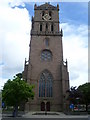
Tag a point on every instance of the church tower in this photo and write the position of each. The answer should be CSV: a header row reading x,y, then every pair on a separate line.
x,y
45,67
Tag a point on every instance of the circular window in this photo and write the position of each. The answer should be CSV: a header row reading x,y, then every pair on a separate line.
x,y
46,55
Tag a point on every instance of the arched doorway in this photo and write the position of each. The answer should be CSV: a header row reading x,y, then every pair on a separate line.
x,y
48,106
42,106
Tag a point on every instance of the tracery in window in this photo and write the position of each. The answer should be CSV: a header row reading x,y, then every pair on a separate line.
x,y
45,84
46,55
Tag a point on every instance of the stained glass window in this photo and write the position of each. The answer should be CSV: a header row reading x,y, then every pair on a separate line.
x,y
45,84
46,55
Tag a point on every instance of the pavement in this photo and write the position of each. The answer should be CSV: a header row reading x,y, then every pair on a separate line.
x,y
50,116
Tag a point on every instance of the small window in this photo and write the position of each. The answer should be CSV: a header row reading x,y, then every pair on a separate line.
x,y
40,27
46,42
52,27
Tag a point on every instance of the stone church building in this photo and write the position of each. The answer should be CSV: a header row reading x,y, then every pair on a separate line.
x,y
45,67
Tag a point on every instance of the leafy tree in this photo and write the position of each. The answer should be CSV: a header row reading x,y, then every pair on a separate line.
x,y
15,91
85,90
19,75
80,95
74,94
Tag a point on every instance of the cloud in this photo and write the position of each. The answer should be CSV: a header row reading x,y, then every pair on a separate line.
x,y
13,3
2,82
75,49
16,2
15,25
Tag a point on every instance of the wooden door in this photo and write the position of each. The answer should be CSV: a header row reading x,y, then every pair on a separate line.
x,y
48,106
42,106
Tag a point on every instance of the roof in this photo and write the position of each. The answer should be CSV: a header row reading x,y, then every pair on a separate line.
x,y
45,6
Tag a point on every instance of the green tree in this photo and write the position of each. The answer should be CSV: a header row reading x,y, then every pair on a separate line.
x,y
19,75
74,93
85,90
15,91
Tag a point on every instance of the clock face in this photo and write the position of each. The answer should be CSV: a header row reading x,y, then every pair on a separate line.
x,y
46,17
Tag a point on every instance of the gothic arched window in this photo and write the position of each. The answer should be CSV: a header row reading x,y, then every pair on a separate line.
x,y
45,84
46,55
52,27
40,27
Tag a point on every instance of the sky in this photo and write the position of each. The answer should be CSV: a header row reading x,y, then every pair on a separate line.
x,y
15,26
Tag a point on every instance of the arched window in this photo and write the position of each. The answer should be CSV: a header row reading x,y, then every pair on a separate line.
x,y
40,27
46,55
45,84
52,27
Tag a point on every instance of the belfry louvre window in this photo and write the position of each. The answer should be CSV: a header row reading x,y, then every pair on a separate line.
x,y
52,27
40,27
46,55
45,84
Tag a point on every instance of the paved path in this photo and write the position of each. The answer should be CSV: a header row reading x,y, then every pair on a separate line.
x,y
20,118
52,115
55,116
